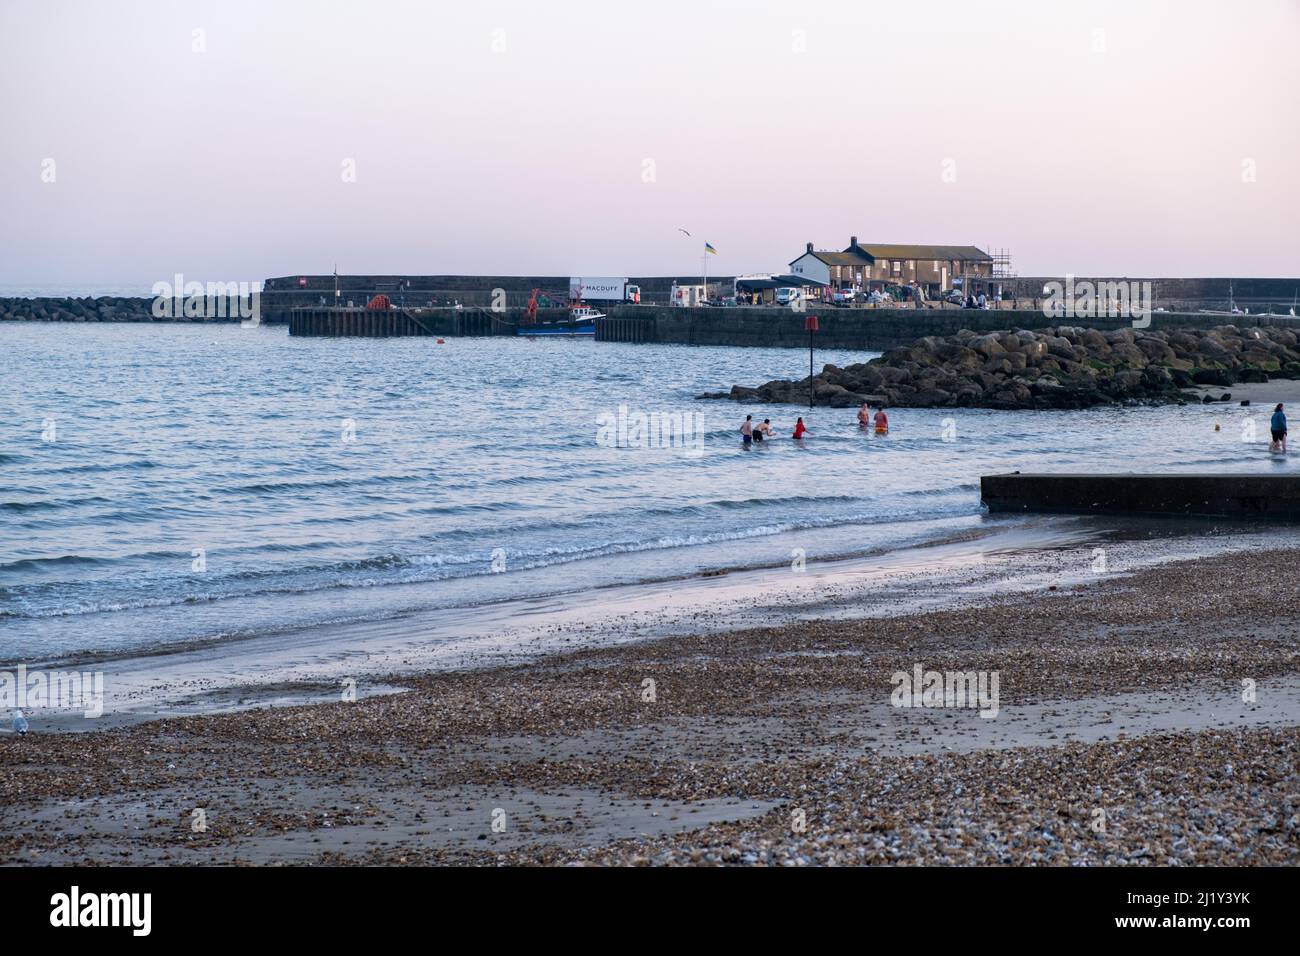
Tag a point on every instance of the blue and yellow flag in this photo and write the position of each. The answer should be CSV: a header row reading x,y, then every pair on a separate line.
x,y
708,247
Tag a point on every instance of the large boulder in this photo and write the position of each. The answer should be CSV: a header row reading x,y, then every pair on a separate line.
x,y
1155,350
933,398
1128,354
1213,376
1094,341
987,345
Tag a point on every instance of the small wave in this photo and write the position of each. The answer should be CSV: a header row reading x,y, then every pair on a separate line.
x,y
397,569
945,490
26,507
104,466
491,507
43,564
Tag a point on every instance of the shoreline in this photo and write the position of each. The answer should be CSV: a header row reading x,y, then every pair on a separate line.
x,y
307,665
1122,693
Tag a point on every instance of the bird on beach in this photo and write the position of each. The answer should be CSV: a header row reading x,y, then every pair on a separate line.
x,y
20,723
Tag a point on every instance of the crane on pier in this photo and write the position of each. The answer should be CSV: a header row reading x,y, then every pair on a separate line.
x,y
542,298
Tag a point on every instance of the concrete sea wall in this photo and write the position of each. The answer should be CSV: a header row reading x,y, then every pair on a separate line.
x,y
1255,497
867,329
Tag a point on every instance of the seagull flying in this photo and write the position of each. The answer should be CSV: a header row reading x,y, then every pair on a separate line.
x,y
20,723
680,229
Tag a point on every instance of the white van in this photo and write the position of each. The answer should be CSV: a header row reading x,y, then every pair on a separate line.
x,y
786,296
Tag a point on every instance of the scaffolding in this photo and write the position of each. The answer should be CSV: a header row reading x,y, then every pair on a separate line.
x,y
1002,264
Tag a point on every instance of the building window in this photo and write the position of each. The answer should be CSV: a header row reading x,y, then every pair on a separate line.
x,y
898,267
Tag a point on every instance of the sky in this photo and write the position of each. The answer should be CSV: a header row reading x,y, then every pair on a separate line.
x,y
237,140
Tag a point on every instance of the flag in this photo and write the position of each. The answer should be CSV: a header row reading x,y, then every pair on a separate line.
x,y
708,247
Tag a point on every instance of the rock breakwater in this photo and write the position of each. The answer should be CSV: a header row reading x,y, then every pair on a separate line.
x,y
104,308
1061,367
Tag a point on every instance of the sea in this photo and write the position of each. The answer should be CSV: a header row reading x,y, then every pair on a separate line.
x,y
163,486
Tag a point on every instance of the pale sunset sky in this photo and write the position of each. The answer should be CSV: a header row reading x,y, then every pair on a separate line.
x,y
236,140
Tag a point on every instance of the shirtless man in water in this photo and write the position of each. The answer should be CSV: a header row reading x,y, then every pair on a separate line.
x,y
747,431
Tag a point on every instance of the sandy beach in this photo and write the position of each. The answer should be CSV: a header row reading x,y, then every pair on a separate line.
x,y
1149,717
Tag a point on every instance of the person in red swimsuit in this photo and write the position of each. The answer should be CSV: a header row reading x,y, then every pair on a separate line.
x,y
799,429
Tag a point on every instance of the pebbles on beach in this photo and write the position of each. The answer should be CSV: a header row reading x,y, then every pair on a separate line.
x,y
750,726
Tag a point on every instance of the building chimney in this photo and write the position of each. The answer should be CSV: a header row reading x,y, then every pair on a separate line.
x,y
810,247
853,241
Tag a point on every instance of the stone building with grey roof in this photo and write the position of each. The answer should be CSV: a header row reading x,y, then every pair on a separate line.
x,y
863,264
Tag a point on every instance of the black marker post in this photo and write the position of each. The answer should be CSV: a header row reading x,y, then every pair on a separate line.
x,y
810,323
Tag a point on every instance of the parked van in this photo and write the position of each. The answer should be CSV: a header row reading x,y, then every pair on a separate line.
x,y
786,296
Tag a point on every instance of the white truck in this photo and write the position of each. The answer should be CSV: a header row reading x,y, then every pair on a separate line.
x,y
602,289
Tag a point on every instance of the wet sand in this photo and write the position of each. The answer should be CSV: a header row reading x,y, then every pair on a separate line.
x,y
1123,735
1003,555
1259,394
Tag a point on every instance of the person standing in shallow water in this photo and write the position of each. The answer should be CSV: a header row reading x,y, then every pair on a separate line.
x,y
864,415
747,431
1277,425
882,421
799,430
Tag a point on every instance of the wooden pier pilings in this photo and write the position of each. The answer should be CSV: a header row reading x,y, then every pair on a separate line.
x,y
354,323
392,323
626,330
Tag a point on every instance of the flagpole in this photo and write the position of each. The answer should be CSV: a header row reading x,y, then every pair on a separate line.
x,y
704,268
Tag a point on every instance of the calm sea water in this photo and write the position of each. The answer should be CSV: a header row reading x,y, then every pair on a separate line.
x,y
201,482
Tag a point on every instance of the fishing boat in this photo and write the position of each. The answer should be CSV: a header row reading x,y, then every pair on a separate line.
x,y
581,321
